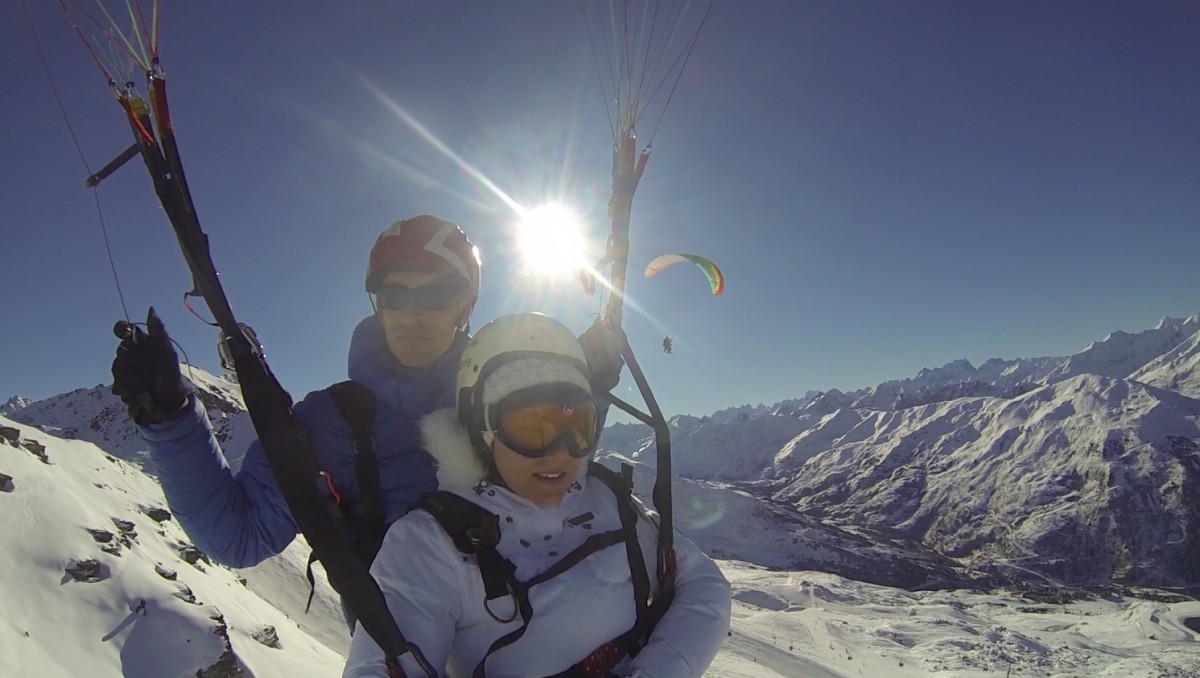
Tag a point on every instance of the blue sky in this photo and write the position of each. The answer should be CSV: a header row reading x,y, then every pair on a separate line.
x,y
887,186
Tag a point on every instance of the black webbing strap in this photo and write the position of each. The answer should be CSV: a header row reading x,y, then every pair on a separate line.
x,y
364,519
520,590
293,462
622,487
356,404
601,660
475,531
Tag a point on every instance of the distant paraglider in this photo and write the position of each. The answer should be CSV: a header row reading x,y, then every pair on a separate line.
x,y
716,279
668,345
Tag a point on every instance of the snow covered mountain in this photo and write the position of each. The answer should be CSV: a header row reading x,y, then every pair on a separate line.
x,y
765,535
97,416
1121,354
1017,467
97,579
1089,480
1034,471
1033,468
1176,370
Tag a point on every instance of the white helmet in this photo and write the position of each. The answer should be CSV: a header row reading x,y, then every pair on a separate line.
x,y
513,353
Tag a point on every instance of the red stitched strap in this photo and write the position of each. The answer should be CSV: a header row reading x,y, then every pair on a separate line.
x,y
601,660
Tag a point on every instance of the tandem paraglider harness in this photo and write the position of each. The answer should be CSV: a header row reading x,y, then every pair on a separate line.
x,y
475,532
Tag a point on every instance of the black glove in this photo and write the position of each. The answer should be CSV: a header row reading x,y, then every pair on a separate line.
x,y
146,372
602,346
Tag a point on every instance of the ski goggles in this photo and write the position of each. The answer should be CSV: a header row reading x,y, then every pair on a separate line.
x,y
533,429
428,297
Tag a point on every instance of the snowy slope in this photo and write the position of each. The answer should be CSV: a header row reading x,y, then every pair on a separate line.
x,y
1034,470
816,625
200,620
1175,370
723,520
97,416
722,451
97,582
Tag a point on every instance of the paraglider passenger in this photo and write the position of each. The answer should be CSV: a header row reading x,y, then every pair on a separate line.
x,y
527,571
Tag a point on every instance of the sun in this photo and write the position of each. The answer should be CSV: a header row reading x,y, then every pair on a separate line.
x,y
551,240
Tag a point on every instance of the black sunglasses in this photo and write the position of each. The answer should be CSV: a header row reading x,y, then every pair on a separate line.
x,y
429,297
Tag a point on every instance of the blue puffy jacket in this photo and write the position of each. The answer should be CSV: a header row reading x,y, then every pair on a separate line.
x,y
240,520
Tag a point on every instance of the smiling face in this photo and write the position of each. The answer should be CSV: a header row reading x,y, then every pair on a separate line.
x,y
418,336
542,480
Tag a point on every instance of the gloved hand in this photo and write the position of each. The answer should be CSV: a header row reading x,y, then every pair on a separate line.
x,y
602,346
146,372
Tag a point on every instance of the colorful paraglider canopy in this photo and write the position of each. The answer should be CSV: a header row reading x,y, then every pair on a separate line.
x,y
715,278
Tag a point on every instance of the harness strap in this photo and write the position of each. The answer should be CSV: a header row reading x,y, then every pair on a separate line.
x,y
637,563
594,543
475,531
356,404
601,660
363,519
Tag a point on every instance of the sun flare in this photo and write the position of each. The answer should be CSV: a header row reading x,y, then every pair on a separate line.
x,y
551,240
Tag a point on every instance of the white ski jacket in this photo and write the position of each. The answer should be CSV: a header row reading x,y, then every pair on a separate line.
x,y
437,597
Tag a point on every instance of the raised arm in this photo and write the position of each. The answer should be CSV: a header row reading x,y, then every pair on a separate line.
x,y
236,520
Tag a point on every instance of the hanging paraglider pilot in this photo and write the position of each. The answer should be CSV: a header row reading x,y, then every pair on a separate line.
x,y
667,345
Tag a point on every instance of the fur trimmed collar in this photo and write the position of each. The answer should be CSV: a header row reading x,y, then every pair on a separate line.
x,y
459,468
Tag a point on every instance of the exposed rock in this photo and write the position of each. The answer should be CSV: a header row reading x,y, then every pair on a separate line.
x,y
88,571
1051,595
6,483
227,665
185,594
10,435
38,450
158,515
165,573
128,531
267,636
192,555
102,536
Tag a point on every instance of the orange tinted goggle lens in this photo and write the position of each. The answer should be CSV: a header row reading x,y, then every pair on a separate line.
x,y
533,429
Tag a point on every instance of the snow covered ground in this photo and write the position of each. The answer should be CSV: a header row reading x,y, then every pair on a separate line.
x,y
95,581
817,624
